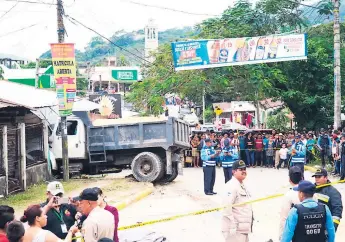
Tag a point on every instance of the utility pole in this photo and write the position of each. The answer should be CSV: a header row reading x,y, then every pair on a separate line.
x,y
61,39
337,76
37,77
203,106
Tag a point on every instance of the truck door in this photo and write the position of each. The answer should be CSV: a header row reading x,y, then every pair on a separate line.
x,y
76,140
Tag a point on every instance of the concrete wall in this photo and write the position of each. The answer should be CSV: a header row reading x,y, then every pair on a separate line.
x,y
36,174
2,185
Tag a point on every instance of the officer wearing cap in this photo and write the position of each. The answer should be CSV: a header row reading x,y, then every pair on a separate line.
x,y
99,222
228,157
61,217
298,152
328,195
237,221
308,221
209,156
290,198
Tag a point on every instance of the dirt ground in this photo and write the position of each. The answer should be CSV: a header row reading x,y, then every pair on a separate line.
x,y
186,195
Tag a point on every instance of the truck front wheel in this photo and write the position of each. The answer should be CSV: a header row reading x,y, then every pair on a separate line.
x,y
147,167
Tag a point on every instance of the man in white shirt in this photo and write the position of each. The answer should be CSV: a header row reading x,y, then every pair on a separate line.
x,y
290,198
99,222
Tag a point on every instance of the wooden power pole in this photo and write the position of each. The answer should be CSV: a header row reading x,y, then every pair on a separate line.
x,y
337,75
64,137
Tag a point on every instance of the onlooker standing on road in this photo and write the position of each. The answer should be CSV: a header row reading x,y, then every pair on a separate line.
x,y
310,147
235,141
298,151
242,147
342,157
278,145
325,143
290,198
195,142
6,216
270,152
61,216
15,232
225,137
99,222
237,221
308,221
228,157
210,157
259,150
103,204
283,155
249,147
328,195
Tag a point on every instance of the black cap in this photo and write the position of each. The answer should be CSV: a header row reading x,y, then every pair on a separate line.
x,y
305,187
320,172
238,165
295,170
207,140
89,194
105,240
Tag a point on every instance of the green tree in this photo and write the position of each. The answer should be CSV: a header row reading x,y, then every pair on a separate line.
x,y
278,120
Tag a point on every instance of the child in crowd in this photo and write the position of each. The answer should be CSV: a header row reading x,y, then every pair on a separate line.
x,y
283,155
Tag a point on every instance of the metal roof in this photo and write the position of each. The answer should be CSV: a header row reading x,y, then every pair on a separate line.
x,y
26,96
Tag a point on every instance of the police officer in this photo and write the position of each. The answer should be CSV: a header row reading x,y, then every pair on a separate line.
x,y
209,157
342,155
308,221
237,221
328,195
290,198
298,152
229,156
325,143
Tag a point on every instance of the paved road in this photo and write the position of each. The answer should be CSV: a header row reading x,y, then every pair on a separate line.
x,y
186,195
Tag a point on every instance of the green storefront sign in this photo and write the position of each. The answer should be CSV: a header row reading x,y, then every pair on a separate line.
x,y
125,75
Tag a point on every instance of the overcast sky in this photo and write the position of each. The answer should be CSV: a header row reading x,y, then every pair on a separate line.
x,y
105,16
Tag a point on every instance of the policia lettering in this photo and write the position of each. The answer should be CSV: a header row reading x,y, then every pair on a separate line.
x,y
311,225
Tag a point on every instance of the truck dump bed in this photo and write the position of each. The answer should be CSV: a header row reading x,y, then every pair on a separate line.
x,y
139,132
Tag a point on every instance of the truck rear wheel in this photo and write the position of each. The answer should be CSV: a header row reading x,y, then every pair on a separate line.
x,y
169,178
147,167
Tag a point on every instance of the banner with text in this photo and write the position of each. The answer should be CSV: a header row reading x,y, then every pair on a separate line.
x,y
200,54
63,58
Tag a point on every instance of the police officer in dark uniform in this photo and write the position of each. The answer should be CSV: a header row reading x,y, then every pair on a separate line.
x,y
342,157
328,195
209,156
308,221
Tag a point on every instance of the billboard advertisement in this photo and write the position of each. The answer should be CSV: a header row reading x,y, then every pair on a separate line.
x,y
110,104
64,65
201,54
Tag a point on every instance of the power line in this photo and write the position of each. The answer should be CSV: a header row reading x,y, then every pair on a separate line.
x,y
31,2
169,9
74,21
303,4
15,5
18,30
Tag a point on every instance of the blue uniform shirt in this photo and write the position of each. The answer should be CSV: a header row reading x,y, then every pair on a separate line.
x,y
206,153
227,160
300,152
292,220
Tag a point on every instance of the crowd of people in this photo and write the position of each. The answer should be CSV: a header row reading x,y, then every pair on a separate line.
x,y
84,218
271,149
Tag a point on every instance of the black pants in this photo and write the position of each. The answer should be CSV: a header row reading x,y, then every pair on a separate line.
x,y
243,156
259,156
309,156
281,161
227,173
324,156
342,171
209,178
270,161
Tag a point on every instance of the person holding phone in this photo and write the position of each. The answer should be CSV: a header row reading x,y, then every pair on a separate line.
x,y
61,216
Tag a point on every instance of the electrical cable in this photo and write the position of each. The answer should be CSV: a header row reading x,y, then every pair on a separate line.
x,y
15,31
74,21
32,2
303,4
15,5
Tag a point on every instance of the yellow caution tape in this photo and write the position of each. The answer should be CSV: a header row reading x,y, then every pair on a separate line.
x,y
141,224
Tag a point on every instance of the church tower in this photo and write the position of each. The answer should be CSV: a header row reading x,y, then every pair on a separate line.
x,y
151,40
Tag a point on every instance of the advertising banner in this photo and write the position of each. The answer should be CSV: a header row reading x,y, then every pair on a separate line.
x,y
125,76
64,65
110,104
200,54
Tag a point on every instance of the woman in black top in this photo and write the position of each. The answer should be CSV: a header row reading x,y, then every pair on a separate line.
x,y
249,146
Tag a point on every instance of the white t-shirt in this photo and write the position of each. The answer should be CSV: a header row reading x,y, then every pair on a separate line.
x,y
283,153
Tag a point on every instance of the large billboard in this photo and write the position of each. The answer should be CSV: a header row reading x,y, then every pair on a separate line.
x,y
65,76
110,104
200,54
